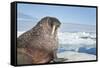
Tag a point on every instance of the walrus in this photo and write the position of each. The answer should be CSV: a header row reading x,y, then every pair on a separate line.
x,y
39,44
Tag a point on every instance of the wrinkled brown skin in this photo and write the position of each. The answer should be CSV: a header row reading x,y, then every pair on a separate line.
x,y
38,45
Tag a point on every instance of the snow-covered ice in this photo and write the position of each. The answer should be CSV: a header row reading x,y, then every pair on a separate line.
x,y
76,38
76,56
19,33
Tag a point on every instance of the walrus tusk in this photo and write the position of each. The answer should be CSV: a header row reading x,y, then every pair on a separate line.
x,y
53,29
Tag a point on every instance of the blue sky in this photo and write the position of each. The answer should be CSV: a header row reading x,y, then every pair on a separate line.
x,y
30,14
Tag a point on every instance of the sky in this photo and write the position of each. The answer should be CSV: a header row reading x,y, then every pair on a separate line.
x,y
30,14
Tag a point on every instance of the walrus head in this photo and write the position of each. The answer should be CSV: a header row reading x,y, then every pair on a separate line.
x,y
49,24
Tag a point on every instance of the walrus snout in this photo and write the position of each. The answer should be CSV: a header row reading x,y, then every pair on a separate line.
x,y
52,23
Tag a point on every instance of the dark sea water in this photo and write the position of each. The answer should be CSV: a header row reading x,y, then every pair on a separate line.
x,y
81,50
89,51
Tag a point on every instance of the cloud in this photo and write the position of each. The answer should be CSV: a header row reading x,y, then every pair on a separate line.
x,y
25,22
24,16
